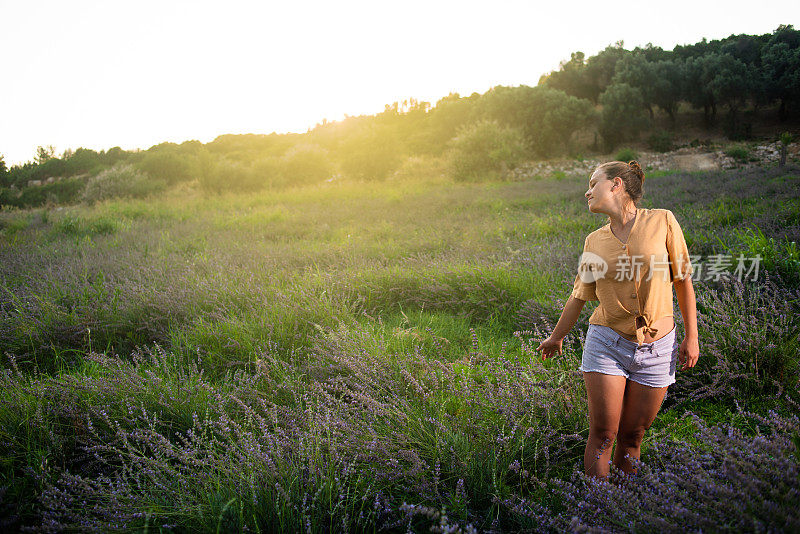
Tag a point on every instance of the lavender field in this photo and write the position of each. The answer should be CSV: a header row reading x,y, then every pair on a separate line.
x,y
354,357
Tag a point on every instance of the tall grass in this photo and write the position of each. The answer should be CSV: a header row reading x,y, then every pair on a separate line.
x,y
345,357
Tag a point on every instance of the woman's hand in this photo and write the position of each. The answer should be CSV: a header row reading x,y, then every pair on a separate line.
x,y
549,347
690,352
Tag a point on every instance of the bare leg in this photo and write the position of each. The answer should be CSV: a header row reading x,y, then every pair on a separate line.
x,y
639,409
605,393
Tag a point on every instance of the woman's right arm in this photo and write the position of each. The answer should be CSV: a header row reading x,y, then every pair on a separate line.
x,y
581,292
572,309
569,316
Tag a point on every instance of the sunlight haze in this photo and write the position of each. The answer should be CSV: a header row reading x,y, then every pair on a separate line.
x,y
134,74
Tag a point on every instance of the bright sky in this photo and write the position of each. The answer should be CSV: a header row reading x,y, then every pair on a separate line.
x,y
108,73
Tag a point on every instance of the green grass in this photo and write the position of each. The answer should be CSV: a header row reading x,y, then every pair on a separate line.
x,y
285,290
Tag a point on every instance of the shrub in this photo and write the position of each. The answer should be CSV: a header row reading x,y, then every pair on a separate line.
x,y
121,181
269,169
305,164
627,154
8,197
226,175
485,149
547,117
660,141
65,191
738,152
60,192
28,197
169,167
371,155
701,142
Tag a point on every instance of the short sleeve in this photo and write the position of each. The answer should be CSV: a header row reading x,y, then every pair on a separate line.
x,y
680,265
584,290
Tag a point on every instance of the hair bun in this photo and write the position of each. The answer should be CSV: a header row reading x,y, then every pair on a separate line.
x,y
637,169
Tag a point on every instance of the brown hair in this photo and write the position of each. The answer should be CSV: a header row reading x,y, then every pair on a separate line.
x,y
631,174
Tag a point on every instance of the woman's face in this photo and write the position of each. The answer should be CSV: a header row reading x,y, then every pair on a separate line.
x,y
600,195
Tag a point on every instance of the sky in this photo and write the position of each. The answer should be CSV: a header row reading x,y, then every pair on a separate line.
x,y
99,74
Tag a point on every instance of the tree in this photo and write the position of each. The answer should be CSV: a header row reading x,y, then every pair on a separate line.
x,y
700,71
447,116
745,48
660,82
781,68
731,85
600,69
548,117
635,71
572,78
623,116
4,178
409,119
698,49
113,155
82,161
586,78
666,90
653,53
44,153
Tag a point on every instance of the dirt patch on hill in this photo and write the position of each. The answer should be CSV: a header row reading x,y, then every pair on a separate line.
x,y
695,162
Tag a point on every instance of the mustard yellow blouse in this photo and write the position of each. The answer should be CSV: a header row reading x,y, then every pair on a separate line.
x,y
633,280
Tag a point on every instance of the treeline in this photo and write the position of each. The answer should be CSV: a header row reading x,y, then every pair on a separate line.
x,y
609,98
731,73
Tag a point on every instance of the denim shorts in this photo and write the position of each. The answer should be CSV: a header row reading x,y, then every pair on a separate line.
x,y
652,364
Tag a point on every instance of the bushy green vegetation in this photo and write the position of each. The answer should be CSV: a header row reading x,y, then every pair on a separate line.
x,y
626,155
305,165
661,141
486,150
168,166
225,175
548,118
371,153
65,191
738,152
121,181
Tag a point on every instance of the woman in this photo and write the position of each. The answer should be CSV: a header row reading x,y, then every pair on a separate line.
x,y
630,353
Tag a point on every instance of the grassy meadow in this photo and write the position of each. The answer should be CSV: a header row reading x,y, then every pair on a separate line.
x,y
357,356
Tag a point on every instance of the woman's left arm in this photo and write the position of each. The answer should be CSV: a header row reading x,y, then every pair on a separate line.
x,y
690,347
